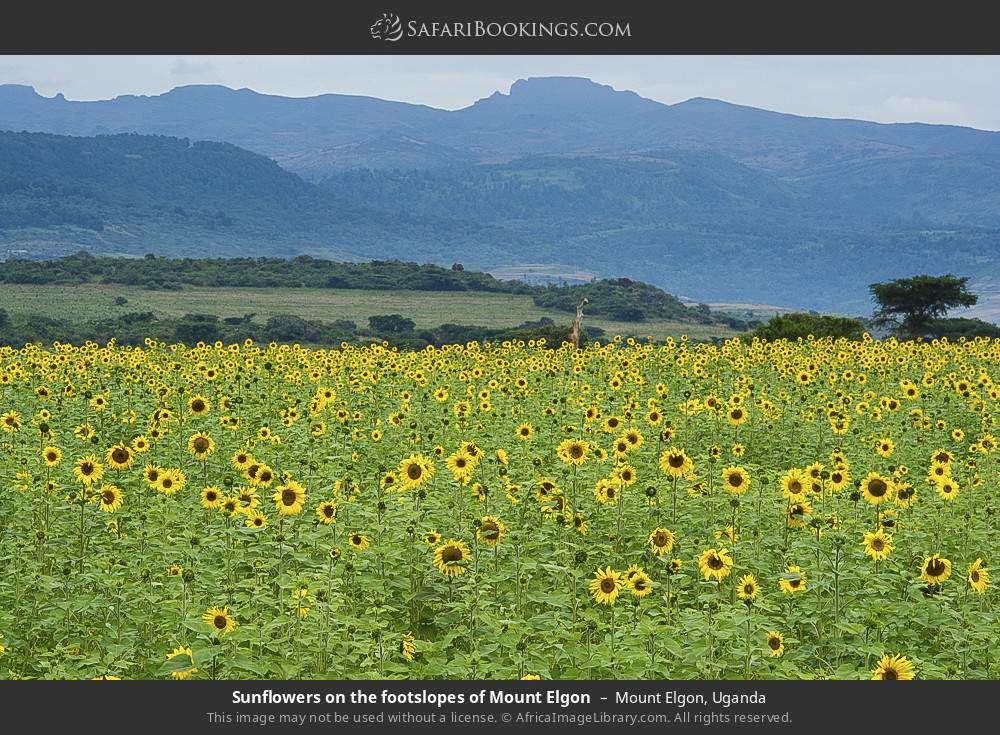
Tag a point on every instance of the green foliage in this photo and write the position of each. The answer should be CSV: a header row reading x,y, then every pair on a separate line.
x,y
909,304
794,326
956,328
620,299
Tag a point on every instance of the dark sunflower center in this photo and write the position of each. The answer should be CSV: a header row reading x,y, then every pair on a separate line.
x,y
211,496
795,487
774,643
201,444
877,488
219,621
120,455
735,480
328,511
451,554
935,567
607,585
288,496
890,674
576,451
86,468
414,471
714,562
198,405
660,538
675,461
878,544
108,497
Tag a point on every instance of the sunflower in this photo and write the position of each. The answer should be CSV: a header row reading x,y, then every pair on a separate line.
x,y
51,456
906,494
573,451
248,498
211,497
625,474
255,519
230,506
110,498
794,484
220,619
775,643
406,648
715,564
877,545
605,586
198,405
978,576
735,480
415,470
639,584
946,488
491,530
449,557
884,447
140,445
326,512
661,541
935,569
674,566
289,498
893,667
119,457
358,540
877,489
183,666
747,588
737,415
10,422
675,463
461,466
200,445
241,459
797,513
88,470
432,538
793,580
171,481
839,479
728,533
524,432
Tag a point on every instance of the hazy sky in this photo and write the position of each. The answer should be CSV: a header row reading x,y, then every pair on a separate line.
x,y
961,90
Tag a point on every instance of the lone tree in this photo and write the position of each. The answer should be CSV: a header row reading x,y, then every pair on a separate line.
x,y
909,304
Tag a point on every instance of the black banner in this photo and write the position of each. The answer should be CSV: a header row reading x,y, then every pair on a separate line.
x,y
535,706
447,27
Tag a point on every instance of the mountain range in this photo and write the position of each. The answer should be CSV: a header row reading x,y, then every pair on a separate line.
x,y
706,199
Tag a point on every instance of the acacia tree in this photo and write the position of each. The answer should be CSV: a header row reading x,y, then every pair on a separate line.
x,y
909,304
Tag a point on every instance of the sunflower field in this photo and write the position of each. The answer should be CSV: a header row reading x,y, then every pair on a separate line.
x,y
811,509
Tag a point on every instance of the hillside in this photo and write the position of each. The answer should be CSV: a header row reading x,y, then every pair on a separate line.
x,y
712,201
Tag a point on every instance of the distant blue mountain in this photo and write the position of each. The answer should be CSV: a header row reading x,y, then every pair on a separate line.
x,y
704,198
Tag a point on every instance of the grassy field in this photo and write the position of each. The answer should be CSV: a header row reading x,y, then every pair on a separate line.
x,y
426,308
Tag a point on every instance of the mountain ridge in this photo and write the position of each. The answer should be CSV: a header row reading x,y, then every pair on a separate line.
x,y
725,202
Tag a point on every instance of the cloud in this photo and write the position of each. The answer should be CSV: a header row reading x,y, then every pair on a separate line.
x,y
189,68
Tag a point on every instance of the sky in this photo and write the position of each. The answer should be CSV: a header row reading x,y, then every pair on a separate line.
x,y
956,90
